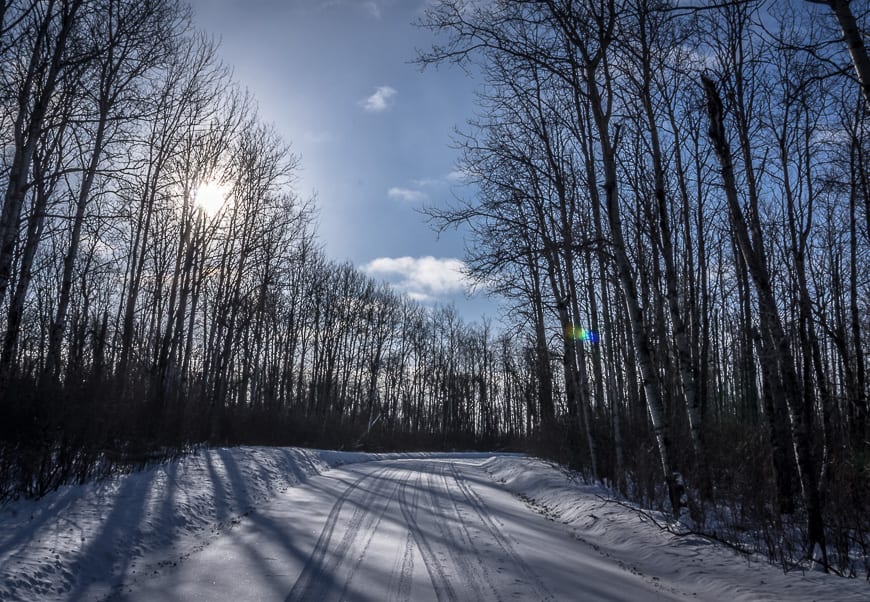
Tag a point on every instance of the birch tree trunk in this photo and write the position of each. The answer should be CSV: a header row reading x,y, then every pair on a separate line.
x,y
854,40
775,339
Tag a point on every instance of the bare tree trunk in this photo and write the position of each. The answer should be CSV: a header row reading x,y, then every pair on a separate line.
x,y
854,40
58,325
776,339
28,127
655,405
543,369
858,403
664,238
44,186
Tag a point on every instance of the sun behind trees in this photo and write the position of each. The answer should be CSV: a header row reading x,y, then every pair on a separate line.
x,y
161,284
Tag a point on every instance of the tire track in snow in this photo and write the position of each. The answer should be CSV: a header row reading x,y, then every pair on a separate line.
x,y
440,583
320,568
403,567
455,532
541,592
452,541
370,527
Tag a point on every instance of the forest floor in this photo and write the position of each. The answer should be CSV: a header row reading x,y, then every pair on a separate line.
x,y
256,523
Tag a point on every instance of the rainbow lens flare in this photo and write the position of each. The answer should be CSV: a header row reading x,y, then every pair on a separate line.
x,y
582,334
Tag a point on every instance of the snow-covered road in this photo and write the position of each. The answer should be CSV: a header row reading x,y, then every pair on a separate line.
x,y
266,523
410,529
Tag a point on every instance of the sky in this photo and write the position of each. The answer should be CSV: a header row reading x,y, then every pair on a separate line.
x,y
374,133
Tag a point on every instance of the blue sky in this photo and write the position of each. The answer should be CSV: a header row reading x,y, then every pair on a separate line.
x,y
373,131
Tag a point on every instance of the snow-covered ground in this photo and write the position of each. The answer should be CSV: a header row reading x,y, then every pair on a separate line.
x,y
276,523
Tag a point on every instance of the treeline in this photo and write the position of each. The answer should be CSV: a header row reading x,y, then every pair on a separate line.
x,y
676,197
161,284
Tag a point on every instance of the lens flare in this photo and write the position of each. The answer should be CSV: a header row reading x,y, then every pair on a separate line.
x,y
582,334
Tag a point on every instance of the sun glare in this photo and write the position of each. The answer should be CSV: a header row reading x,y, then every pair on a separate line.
x,y
210,197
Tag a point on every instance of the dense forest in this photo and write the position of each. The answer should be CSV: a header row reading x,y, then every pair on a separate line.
x,y
673,200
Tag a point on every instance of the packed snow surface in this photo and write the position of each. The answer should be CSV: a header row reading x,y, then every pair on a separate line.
x,y
299,524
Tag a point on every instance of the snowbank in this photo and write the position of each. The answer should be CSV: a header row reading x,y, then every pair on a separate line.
x,y
705,569
52,548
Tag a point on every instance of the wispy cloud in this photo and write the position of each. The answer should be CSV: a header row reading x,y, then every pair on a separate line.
x,y
373,9
407,194
381,100
421,278
451,178
458,175
319,137
425,182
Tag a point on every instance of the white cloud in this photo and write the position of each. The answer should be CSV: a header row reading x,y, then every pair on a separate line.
x,y
380,101
458,175
373,9
420,297
406,194
421,278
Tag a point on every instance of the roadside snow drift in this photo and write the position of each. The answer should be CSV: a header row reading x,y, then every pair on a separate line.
x,y
57,547
106,539
695,566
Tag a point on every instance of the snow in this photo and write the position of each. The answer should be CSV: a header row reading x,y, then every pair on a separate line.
x,y
290,523
698,567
